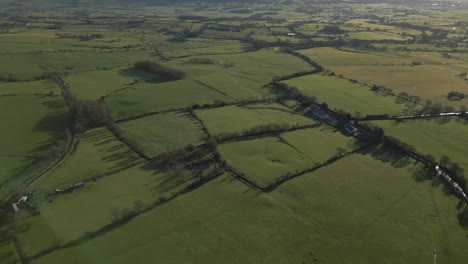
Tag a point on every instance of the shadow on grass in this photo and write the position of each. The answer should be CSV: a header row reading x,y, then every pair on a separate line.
x,y
387,155
142,75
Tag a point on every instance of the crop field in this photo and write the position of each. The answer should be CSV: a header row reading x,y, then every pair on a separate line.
x,y
438,136
233,132
342,94
164,132
430,82
34,125
99,150
308,210
236,119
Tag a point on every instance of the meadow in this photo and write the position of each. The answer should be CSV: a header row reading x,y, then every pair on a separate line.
x,y
164,132
232,119
35,87
429,82
99,150
302,222
36,123
340,93
437,137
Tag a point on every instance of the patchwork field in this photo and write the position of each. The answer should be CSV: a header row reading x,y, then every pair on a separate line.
x,y
339,93
164,132
303,222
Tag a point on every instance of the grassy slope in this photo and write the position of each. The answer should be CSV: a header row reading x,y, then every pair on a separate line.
x,y
342,94
164,132
236,119
31,123
14,172
99,150
358,214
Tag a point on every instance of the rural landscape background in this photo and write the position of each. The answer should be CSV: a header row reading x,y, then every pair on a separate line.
x,y
262,131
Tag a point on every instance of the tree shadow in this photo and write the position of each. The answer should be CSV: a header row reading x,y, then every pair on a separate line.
x,y
142,75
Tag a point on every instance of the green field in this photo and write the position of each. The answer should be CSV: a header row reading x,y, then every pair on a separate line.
x,y
264,160
236,119
99,150
70,216
339,93
313,217
430,82
35,87
320,144
336,57
35,124
437,137
94,84
164,132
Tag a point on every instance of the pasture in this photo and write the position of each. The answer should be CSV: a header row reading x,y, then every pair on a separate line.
x,y
264,160
35,124
437,136
99,150
339,57
164,132
35,87
71,216
340,93
312,217
236,119
95,84
429,82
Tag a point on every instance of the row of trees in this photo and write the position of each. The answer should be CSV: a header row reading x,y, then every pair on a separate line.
x,y
161,70
258,130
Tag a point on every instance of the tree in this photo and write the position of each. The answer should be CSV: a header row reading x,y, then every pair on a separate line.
x,y
138,205
341,152
444,161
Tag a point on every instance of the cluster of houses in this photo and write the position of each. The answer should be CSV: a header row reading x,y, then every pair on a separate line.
x,y
321,114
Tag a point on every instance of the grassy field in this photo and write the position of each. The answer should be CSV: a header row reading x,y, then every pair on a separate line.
x,y
14,171
264,159
99,150
341,94
164,132
72,215
312,218
36,87
94,84
374,36
327,56
432,82
236,119
203,85
149,97
34,125
437,137
25,66
320,144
